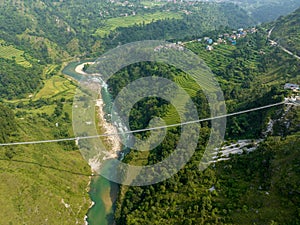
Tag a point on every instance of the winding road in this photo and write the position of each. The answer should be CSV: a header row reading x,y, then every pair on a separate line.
x,y
283,48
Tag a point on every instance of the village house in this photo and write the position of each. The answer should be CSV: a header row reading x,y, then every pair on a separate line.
x,y
289,86
233,36
209,48
273,43
220,41
253,30
210,41
223,38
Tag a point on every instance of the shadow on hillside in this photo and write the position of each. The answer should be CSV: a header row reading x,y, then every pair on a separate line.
x,y
47,167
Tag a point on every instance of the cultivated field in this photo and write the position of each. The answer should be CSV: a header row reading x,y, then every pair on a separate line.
x,y
56,87
126,21
10,52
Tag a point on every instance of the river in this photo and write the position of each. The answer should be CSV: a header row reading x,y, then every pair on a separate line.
x,y
102,192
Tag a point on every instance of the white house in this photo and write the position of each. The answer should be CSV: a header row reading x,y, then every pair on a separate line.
x,y
209,48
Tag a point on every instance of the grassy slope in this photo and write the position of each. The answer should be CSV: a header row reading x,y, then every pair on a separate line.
x,y
38,177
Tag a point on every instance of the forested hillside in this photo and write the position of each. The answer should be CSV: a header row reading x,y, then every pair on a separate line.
x,y
260,187
202,18
49,29
37,34
17,81
47,183
252,73
286,32
267,10
7,123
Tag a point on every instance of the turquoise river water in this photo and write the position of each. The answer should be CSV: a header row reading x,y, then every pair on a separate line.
x,y
102,192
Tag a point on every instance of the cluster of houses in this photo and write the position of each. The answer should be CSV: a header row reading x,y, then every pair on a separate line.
x,y
222,39
227,38
293,87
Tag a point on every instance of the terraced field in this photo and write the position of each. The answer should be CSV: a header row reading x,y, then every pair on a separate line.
x,y
188,84
216,58
152,3
10,52
56,87
191,87
219,57
126,21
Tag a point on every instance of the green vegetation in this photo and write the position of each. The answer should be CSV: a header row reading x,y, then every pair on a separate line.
x,y
268,10
126,21
47,183
17,81
7,123
261,192
171,115
55,87
37,178
52,32
251,74
152,3
185,198
202,18
10,52
41,179
286,32
42,183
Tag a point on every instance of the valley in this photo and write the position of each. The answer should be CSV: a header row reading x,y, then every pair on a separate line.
x,y
252,179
